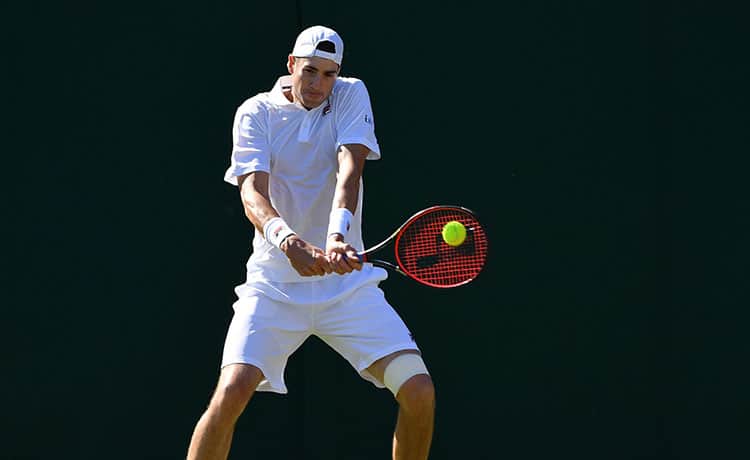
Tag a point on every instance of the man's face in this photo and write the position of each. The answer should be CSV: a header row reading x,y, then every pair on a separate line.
x,y
312,79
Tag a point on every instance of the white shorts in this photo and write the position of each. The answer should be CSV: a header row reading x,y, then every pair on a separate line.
x,y
269,325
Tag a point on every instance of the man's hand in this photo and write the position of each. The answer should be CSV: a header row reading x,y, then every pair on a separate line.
x,y
307,259
341,255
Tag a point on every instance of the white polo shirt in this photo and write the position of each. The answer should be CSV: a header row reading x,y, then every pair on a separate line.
x,y
297,147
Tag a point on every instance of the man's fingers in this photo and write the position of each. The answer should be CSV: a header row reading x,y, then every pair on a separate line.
x,y
353,260
346,265
346,261
342,267
342,258
309,260
323,263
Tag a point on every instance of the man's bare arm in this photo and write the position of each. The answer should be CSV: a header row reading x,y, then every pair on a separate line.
x,y
351,159
307,259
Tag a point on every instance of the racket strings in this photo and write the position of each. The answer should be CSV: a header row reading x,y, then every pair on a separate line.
x,y
424,255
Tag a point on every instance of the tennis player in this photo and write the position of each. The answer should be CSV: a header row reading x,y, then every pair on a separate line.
x,y
298,155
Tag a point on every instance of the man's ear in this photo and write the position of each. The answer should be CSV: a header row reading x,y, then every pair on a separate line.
x,y
290,64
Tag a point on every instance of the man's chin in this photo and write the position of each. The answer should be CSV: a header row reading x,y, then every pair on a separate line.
x,y
311,103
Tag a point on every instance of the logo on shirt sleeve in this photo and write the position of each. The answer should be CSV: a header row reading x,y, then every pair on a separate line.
x,y
368,119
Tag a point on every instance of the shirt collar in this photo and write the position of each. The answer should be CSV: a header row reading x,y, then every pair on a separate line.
x,y
283,83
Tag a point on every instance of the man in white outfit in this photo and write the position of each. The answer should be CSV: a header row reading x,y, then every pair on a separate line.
x,y
298,155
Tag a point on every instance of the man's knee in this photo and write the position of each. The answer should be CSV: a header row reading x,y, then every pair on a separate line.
x,y
417,395
237,385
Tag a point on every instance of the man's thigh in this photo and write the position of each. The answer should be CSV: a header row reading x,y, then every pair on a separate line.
x,y
364,329
264,333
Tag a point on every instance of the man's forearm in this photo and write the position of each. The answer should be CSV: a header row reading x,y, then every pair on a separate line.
x,y
255,199
351,163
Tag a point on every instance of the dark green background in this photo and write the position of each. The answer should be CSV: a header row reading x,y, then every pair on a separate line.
x,y
563,124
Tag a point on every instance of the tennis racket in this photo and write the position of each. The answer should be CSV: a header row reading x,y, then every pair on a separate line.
x,y
422,255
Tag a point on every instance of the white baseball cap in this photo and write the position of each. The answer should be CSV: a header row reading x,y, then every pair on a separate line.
x,y
310,39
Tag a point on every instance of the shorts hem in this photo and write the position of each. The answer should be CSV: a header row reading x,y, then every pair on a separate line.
x,y
385,352
266,385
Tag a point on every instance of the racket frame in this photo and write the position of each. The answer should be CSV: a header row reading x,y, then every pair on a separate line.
x,y
364,257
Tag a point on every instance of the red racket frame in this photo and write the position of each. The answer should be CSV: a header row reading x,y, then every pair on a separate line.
x,y
448,266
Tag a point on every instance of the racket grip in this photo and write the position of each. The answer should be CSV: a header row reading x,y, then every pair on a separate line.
x,y
362,257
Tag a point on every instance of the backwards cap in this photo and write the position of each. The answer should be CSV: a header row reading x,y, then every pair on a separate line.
x,y
309,39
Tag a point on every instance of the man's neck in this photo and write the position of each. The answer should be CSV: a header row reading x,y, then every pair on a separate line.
x,y
290,97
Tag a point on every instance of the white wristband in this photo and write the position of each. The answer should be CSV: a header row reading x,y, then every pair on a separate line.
x,y
339,221
276,231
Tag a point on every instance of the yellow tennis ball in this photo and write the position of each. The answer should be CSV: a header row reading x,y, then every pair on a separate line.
x,y
454,233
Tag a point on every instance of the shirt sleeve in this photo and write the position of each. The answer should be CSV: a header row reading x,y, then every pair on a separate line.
x,y
250,150
355,123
